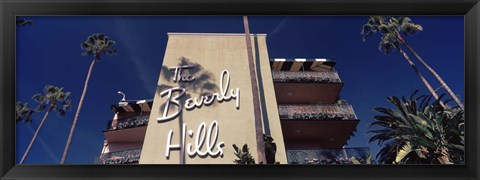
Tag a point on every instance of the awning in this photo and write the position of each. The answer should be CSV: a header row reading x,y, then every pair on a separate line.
x,y
133,106
304,64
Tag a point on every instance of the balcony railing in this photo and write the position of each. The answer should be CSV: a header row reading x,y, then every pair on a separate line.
x,y
317,112
120,157
328,156
306,76
127,123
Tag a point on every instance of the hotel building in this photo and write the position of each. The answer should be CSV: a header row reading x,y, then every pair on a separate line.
x,y
203,105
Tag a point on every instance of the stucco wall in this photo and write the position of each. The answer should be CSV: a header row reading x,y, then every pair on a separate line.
x,y
214,53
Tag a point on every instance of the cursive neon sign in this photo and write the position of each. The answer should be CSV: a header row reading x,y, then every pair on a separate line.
x,y
205,138
192,103
202,135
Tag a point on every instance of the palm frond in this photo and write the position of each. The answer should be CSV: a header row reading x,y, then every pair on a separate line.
x,y
426,127
97,44
23,112
55,97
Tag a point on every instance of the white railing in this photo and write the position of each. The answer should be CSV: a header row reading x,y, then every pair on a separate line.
x,y
127,123
305,76
120,157
342,112
328,156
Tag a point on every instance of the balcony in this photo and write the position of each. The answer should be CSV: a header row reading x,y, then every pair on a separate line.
x,y
120,157
306,76
328,126
306,87
328,156
127,130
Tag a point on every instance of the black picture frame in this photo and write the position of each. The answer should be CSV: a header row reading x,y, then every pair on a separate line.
x,y
470,9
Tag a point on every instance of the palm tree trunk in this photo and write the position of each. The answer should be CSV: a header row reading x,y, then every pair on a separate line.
x,y
256,101
460,104
69,140
414,67
36,134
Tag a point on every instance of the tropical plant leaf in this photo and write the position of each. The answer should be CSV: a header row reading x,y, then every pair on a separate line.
x,y
354,160
421,153
369,159
404,151
245,148
425,127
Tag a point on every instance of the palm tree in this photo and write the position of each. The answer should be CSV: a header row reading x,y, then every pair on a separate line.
x,y
56,99
256,101
96,45
395,27
408,28
24,22
389,42
23,112
418,131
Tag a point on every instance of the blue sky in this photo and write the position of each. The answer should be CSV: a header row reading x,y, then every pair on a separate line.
x,y
48,53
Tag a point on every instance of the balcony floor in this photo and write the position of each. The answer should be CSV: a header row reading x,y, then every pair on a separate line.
x,y
310,134
307,93
135,134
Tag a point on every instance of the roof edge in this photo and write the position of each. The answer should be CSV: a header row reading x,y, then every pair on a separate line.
x,y
209,34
